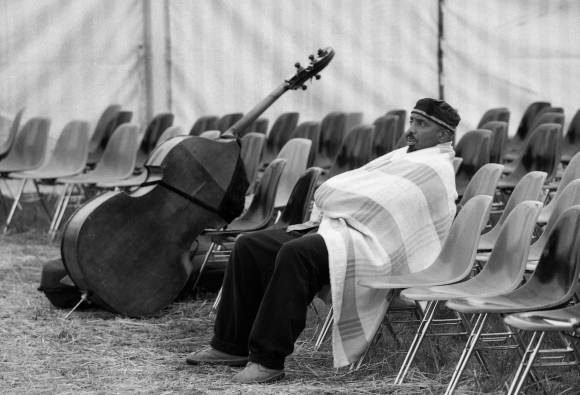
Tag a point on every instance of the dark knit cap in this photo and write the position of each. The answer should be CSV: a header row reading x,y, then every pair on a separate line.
x,y
438,111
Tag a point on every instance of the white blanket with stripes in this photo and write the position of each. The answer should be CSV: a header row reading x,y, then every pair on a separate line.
x,y
389,216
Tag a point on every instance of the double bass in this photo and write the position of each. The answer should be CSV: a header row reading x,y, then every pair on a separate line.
x,y
124,250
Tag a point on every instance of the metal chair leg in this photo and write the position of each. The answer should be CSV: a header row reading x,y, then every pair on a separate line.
x,y
42,202
62,210
216,304
14,205
324,330
417,340
526,363
57,209
205,260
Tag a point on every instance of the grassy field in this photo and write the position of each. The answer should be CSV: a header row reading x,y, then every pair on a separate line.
x,y
94,351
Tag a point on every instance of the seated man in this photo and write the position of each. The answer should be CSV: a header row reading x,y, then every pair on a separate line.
x,y
389,216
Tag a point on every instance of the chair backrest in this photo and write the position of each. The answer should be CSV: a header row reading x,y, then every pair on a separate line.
x,y
170,132
483,182
261,211
203,123
260,125
385,136
555,279
499,138
541,152
352,119
501,114
102,124
298,207
120,154
571,173
71,150
228,120
505,267
569,197
573,133
332,131
30,146
252,146
401,121
461,243
457,163
549,117
473,148
7,144
154,129
356,150
295,152
309,130
279,134
528,118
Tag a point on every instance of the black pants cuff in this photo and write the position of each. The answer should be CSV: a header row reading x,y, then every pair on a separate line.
x,y
269,362
230,348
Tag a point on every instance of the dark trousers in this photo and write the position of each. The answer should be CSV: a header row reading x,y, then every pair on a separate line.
x,y
270,280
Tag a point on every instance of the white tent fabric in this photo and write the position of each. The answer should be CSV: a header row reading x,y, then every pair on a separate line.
x,y
228,55
501,53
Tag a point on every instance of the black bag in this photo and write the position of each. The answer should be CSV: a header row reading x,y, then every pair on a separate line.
x,y
58,287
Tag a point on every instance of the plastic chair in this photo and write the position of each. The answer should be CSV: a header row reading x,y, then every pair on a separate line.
x,y
279,134
553,283
30,147
457,163
68,158
211,134
502,273
473,148
298,207
483,182
499,138
102,124
356,151
228,120
99,141
353,119
528,188
295,152
7,144
260,126
385,136
152,133
542,153
251,148
332,132
309,130
571,141
401,121
517,141
206,122
169,133
571,173
501,114
566,319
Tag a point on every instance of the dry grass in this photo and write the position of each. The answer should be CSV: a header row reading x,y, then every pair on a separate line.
x,y
95,351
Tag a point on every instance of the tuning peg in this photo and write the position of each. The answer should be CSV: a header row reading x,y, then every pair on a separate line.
x,y
304,87
321,52
312,57
297,65
317,76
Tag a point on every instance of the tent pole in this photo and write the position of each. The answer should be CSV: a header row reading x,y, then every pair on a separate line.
x,y
440,50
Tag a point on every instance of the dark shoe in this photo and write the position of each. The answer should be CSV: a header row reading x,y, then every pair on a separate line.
x,y
215,357
255,373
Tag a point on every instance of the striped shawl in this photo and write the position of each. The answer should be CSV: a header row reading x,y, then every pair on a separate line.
x,y
390,216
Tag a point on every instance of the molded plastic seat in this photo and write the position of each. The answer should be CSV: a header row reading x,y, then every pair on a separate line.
x,y
211,134
483,182
104,122
356,151
170,132
30,147
385,136
571,173
457,255
332,132
228,120
529,188
118,160
251,148
401,121
7,144
517,141
281,131
473,148
501,114
542,153
457,163
295,152
99,141
152,133
309,130
571,141
298,207
499,140
504,270
206,122
562,319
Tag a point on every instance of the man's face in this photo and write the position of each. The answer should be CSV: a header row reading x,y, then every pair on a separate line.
x,y
422,133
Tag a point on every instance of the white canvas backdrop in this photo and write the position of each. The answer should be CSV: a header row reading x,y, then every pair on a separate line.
x,y
501,53
228,55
